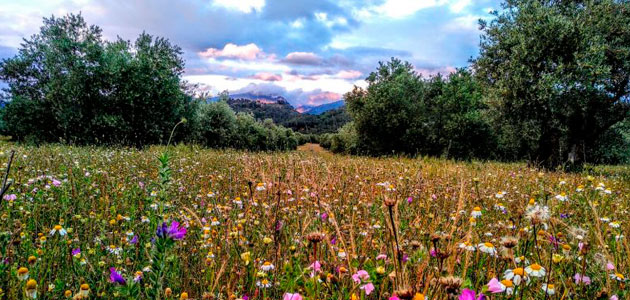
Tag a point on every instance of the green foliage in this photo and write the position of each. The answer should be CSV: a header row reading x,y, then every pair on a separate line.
x,y
557,74
68,84
400,112
217,124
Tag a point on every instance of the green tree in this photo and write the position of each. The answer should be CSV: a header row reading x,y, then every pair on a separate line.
x,y
217,124
557,74
385,112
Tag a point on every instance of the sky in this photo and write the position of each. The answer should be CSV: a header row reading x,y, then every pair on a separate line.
x,y
309,51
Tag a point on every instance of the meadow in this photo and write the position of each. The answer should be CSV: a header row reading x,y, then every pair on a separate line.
x,y
190,223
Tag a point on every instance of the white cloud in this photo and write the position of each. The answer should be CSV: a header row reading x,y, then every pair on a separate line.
x,y
405,8
459,5
245,52
244,6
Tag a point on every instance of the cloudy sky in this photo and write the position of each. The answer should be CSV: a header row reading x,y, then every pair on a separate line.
x,y
310,51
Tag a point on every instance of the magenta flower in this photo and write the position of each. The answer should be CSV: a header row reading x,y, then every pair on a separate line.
x,y
409,200
394,297
468,294
76,251
115,277
174,231
289,296
316,266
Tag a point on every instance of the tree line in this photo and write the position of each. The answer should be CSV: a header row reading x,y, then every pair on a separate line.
x,y
551,85
67,84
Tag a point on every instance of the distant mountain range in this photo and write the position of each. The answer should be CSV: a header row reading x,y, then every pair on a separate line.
x,y
271,99
305,119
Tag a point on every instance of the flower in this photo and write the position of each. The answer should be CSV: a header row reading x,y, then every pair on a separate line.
x,y
289,296
246,257
263,283
115,277
538,214
58,229
476,212
562,197
368,288
267,266
618,277
31,289
22,273
84,290
495,286
76,252
361,275
10,197
516,275
487,248
579,278
548,288
467,245
535,270
174,231
468,294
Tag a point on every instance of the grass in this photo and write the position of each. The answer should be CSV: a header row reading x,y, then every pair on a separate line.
x,y
81,222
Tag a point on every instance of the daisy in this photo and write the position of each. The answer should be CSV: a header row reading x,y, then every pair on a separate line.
x,y
580,188
263,283
476,212
535,270
516,275
267,266
618,277
22,273
58,229
614,224
113,249
260,186
548,288
487,248
500,194
341,253
467,246
562,197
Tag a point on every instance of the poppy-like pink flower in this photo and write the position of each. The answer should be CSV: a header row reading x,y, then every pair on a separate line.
x,y
316,266
360,275
368,288
494,286
468,294
289,296
381,257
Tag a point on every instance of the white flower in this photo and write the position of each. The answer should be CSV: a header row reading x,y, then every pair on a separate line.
x,y
476,212
500,194
467,246
487,248
267,266
562,197
517,275
614,224
548,288
58,229
535,270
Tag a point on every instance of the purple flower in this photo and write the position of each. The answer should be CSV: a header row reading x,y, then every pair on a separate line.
x,y
134,240
324,216
468,294
409,200
579,278
115,277
56,182
76,251
10,197
174,231
405,258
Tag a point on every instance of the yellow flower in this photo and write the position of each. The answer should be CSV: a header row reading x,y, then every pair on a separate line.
x,y
67,293
246,257
267,240
183,296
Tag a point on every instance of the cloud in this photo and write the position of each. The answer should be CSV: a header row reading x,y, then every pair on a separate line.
x,y
244,6
265,76
245,52
322,97
303,58
349,74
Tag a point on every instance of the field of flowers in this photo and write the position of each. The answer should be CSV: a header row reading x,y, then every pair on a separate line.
x,y
187,223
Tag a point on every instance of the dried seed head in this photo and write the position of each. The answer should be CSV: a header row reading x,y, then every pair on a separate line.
x,y
509,242
405,293
451,284
389,202
315,237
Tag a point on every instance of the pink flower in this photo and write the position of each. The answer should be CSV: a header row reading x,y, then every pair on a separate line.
x,y
56,182
316,266
360,275
394,297
409,200
610,266
381,256
579,278
494,286
368,288
468,294
614,297
289,296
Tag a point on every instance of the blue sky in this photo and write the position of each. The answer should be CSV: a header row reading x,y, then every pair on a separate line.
x,y
310,51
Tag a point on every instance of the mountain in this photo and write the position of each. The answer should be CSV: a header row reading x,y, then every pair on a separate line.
x,y
319,119
320,109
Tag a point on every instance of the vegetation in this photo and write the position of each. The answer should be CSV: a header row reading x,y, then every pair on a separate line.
x,y
69,85
99,223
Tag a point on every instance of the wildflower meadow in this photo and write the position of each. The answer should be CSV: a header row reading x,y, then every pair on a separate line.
x,y
189,223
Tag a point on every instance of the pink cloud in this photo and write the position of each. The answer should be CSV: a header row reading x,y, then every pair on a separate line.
x,y
233,51
349,74
303,58
265,76
323,97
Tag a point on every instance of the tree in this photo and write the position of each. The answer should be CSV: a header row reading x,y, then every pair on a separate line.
x,y
67,84
557,74
384,113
